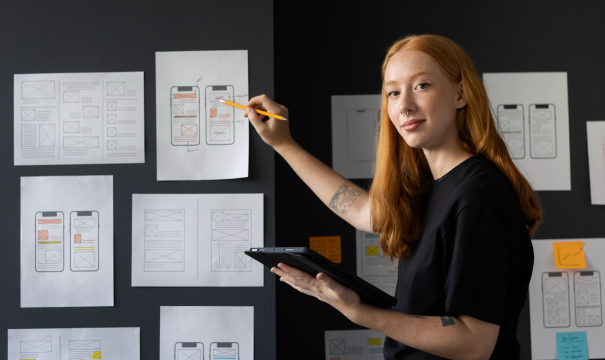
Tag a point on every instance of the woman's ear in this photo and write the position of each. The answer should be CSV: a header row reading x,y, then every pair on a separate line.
x,y
461,99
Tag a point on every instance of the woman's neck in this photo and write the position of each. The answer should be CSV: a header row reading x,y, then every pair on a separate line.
x,y
443,160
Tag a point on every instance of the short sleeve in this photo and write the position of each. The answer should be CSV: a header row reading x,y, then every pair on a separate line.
x,y
476,253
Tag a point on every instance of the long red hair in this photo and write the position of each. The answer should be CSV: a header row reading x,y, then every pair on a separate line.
x,y
402,175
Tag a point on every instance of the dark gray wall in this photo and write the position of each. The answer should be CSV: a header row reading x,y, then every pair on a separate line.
x,y
328,48
97,36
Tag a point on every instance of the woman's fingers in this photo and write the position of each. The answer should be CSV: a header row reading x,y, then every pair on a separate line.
x,y
294,276
263,102
327,281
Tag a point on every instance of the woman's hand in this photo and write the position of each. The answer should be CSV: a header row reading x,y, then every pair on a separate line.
x,y
322,287
275,133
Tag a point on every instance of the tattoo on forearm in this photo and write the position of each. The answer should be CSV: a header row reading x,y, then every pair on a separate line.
x,y
447,321
414,316
344,197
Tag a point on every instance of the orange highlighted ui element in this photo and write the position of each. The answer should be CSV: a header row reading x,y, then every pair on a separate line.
x,y
569,255
327,246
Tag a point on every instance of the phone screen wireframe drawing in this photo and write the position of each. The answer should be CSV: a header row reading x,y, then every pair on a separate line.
x,y
189,351
220,117
555,299
164,240
587,291
185,115
49,234
512,126
361,131
543,132
224,351
84,240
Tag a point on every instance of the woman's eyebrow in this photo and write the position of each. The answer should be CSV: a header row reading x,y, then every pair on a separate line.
x,y
416,74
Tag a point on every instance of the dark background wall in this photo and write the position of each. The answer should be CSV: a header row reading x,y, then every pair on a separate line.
x,y
326,48
38,36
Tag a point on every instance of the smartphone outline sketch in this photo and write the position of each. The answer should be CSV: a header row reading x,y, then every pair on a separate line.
x,y
185,345
504,132
215,345
230,109
72,232
156,228
355,143
545,309
42,228
532,147
184,90
586,296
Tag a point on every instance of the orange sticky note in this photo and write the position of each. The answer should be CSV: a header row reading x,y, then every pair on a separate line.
x,y
569,255
326,246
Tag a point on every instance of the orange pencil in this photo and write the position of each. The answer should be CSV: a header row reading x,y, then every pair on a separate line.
x,y
278,117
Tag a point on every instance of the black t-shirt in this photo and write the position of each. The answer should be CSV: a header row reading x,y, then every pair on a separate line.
x,y
474,257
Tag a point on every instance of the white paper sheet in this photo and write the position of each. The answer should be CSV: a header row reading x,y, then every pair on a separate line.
x,y
88,118
595,131
354,345
206,332
372,265
72,344
199,138
532,112
566,300
66,241
354,122
196,239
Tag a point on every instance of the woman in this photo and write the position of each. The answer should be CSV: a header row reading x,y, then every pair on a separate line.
x,y
447,201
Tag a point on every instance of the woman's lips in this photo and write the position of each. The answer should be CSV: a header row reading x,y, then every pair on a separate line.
x,y
412,124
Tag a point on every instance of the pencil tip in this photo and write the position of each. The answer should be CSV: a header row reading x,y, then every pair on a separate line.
x,y
283,118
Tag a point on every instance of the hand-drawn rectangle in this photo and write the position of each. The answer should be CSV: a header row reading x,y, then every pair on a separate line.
x,y
38,89
90,112
84,344
71,96
70,127
47,135
81,142
28,114
28,347
116,88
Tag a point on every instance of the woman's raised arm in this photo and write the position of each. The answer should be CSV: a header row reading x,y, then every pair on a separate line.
x,y
346,199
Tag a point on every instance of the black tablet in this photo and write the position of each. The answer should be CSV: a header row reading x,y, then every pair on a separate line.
x,y
312,263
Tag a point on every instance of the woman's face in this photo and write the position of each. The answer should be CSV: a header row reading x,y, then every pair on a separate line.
x,y
415,84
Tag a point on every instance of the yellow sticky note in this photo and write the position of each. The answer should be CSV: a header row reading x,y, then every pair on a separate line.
x,y
374,341
326,246
96,355
372,251
569,255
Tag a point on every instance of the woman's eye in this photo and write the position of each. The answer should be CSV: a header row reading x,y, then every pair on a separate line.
x,y
422,86
393,93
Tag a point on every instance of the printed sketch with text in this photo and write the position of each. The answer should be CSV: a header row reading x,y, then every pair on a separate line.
x,y
208,140
568,299
89,118
72,344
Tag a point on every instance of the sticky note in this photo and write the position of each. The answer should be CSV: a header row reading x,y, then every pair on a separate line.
x,y
96,355
569,255
375,341
572,345
326,246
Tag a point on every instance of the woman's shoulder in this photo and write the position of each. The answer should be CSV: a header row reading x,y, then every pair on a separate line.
x,y
480,181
